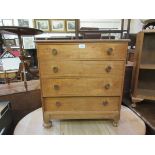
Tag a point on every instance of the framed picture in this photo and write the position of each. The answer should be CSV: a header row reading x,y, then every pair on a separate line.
x,y
42,24
7,22
70,25
58,25
23,22
9,42
28,43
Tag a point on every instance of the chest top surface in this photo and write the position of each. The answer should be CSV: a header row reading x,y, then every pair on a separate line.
x,y
84,41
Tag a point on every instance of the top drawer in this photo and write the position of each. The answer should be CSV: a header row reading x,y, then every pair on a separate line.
x,y
92,51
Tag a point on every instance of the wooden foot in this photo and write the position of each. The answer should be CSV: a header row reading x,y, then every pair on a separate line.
x,y
133,105
135,100
115,123
47,125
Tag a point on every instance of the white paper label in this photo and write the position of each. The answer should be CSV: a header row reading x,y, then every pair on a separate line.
x,y
82,46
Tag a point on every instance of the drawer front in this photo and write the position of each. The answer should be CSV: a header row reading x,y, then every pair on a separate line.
x,y
82,104
82,87
81,68
106,51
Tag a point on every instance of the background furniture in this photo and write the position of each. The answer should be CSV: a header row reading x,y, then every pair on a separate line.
x,y
1,44
5,117
82,79
130,124
143,81
9,76
149,24
20,31
83,30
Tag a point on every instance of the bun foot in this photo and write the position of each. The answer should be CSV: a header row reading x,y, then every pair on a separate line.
x,y
115,123
47,125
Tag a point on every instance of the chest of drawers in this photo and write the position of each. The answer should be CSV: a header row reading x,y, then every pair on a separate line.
x,y
81,79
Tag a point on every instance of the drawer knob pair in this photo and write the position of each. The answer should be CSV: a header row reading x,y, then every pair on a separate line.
x,y
105,103
54,51
55,69
56,87
109,51
58,104
108,69
107,86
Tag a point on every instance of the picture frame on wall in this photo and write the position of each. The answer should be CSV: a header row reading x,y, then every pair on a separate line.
x,y
42,24
70,25
7,22
10,42
58,25
23,22
1,24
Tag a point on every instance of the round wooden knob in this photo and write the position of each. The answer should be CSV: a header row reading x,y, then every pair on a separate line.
x,y
108,68
105,103
109,51
107,86
54,51
58,104
55,69
56,87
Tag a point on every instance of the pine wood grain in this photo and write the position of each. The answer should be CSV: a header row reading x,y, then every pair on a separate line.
x,y
91,51
82,104
81,69
81,87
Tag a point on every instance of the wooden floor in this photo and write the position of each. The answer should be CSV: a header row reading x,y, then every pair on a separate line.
x,y
22,102
130,124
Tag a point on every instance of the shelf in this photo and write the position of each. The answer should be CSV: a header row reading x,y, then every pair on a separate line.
x,y
101,31
146,94
147,66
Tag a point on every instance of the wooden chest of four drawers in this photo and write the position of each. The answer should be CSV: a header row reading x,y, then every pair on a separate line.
x,y
81,79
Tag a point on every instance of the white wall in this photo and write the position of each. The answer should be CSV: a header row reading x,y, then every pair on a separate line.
x,y
136,25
